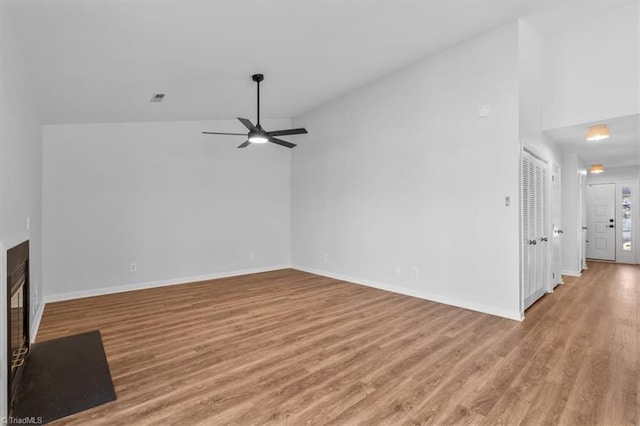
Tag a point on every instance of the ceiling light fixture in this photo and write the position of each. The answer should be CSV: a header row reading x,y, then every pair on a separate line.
x,y
257,137
597,133
597,168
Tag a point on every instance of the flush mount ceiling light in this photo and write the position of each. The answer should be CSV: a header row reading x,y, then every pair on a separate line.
x,y
597,133
597,168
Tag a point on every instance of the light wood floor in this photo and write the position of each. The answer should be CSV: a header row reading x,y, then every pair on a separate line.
x,y
289,347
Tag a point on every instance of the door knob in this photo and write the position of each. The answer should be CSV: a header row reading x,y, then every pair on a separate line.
x,y
610,220
533,242
544,239
560,231
611,226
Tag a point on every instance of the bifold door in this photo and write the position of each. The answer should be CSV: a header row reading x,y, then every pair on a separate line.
x,y
535,241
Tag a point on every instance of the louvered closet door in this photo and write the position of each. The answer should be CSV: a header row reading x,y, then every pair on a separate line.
x,y
526,226
529,225
534,219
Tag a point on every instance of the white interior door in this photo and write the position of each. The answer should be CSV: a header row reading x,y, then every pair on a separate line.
x,y
601,227
535,280
542,255
582,232
528,235
556,228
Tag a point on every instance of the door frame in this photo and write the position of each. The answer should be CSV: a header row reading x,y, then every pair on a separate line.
x,y
635,193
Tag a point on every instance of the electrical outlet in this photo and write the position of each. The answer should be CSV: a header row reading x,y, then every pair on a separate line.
x,y
133,267
414,272
325,258
28,223
252,255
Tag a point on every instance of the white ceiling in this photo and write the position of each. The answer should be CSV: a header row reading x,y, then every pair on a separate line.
x,y
622,149
100,61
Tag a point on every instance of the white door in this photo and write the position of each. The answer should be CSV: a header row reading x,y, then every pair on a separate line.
x,y
556,228
528,234
582,247
535,280
601,227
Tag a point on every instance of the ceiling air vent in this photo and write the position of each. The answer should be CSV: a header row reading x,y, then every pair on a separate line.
x,y
157,97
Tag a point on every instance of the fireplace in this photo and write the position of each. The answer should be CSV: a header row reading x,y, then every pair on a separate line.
x,y
17,314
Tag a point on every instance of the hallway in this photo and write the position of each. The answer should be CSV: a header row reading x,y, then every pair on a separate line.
x,y
590,327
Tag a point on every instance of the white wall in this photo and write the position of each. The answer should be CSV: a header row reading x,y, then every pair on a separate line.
x,y
403,173
531,48
180,204
20,178
571,238
593,70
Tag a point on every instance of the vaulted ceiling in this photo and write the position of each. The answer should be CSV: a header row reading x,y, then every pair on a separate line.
x,y
97,61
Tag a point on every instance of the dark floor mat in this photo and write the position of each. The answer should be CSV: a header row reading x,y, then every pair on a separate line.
x,y
64,376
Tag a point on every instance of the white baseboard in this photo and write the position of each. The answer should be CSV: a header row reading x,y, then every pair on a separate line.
x,y
571,273
504,313
35,324
50,298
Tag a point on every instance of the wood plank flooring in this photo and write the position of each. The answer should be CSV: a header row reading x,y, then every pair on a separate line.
x,y
288,347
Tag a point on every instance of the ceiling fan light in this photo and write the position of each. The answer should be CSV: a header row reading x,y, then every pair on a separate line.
x,y
596,168
597,133
258,139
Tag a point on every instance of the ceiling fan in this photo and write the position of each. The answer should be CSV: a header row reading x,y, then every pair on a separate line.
x,y
256,133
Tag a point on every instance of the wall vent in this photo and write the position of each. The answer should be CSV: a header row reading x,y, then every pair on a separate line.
x,y
157,97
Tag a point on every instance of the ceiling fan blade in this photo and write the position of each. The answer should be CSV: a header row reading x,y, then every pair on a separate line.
x,y
247,124
218,133
244,144
281,142
299,131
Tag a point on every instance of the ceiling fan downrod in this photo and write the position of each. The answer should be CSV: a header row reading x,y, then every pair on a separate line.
x,y
258,78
